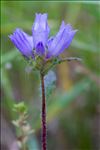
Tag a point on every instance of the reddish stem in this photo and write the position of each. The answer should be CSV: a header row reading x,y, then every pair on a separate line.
x,y
43,114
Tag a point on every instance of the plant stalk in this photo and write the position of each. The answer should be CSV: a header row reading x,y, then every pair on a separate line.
x,y
43,114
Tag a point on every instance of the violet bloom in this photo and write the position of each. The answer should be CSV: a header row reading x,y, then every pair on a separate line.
x,y
39,44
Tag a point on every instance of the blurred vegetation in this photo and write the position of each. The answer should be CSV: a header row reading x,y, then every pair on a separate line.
x,y
73,109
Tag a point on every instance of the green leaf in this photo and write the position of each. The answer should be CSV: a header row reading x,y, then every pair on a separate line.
x,y
20,107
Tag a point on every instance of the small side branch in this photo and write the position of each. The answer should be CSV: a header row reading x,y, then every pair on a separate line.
x,y
69,59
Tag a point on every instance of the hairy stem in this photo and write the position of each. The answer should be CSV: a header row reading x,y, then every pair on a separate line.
x,y
43,114
70,59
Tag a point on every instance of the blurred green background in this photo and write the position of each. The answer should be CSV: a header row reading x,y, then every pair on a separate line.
x,y
73,109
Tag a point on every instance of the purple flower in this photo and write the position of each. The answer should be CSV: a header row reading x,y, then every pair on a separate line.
x,y
23,42
38,43
61,41
40,32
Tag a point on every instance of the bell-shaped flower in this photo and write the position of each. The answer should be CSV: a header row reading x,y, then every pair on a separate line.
x,y
40,32
61,41
23,42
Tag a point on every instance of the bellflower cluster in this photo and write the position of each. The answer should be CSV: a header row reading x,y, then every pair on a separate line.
x,y
39,45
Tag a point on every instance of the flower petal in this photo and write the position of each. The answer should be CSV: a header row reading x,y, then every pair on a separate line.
x,y
23,42
62,40
50,41
53,42
40,49
40,30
